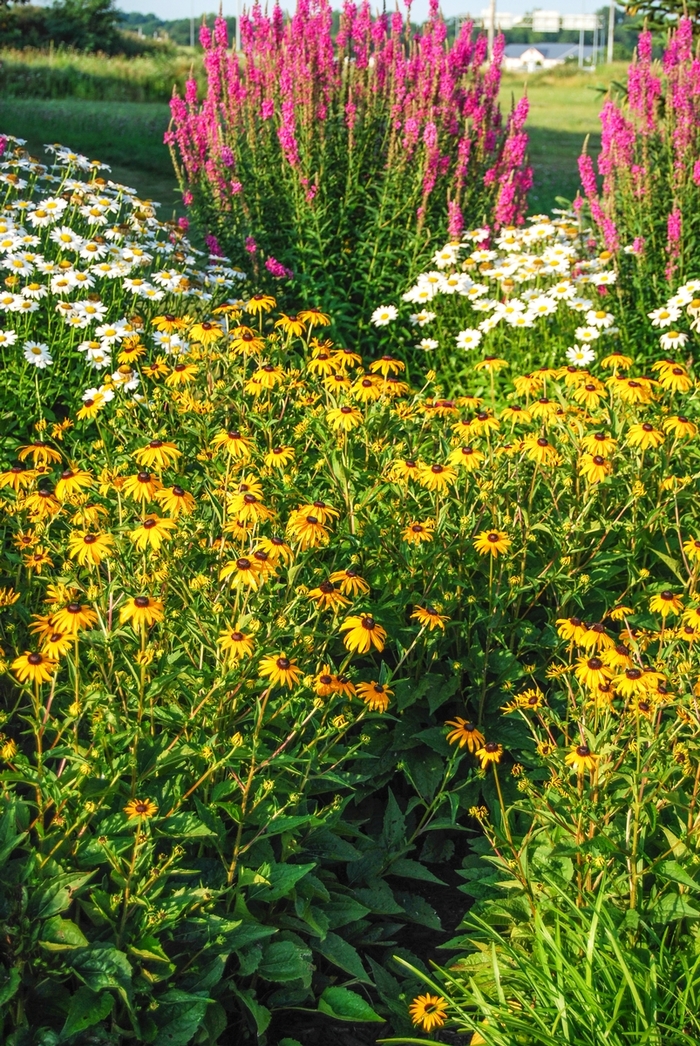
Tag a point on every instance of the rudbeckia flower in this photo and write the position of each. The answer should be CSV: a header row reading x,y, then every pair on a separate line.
x,y
516,415
573,629
599,443
492,542
40,453
235,643
140,809
244,340
484,423
468,457
375,695
308,531
154,530
280,670
665,603
276,549
142,612
644,436
350,582
142,486
37,560
430,1011
592,672
56,644
581,759
325,682
367,389
344,419
158,453
464,733
404,470
679,426
428,617
72,617
175,501
244,573
490,752
617,361
387,365
90,549
363,633
313,317
539,449
327,597
206,333
182,374
594,467
18,477
260,303
292,326
417,533
33,667
636,681
72,482
321,364
436,477
42,503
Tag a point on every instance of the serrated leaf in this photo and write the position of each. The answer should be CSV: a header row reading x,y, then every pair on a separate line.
x,y
409,869
61,934
284,961
345,1005
87,1008
342,954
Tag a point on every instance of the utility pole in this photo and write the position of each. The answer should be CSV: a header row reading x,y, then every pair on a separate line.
x,y
191,23
492,25
580,48
611,30
238,26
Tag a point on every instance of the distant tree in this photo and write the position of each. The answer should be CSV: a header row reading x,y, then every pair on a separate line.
x,y
660,14
87,25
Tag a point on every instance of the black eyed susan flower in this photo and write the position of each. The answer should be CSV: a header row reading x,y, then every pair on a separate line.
x,y
636,681
325,682
492,543
540,450
175,501
244,572
468,457
260,303
307,531
692,617
158,453
679,426
337,383
142,486
465,733
142,612
235,643
37,560
39,452
581,759
347,359
18,477
56,644
182,374
321,364
417,533
313,317
327,597
157,369
573,629
233,442
375,695
688,634
72,617
527,384
387,365
631,390
91,407
266,565
244,341
152,532
491,364
344,419
169,324
280,670
618,656
42,503
72,482
292,326
589,395
675,379
643,704
249,508
594,467
644,436
596,638
430,1011
140,809
484,423
404,470
665,603
267,376
544,408
350,582
8,596
437,477
592,672
90,549
490,752
206,333
279,457
619,613
367,388
362,633
599,443
325,512
428,617
516,415
33,667
616,361
277,549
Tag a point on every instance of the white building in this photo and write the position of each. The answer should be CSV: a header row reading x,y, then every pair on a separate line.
x,y
519,58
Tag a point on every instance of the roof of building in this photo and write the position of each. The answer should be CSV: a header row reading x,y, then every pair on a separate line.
x,y
548,51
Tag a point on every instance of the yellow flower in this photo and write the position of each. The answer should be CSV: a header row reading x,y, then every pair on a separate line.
x,y
468,457
280,670
465,733
206,333
596,638
363,633
73,616
375,695
32,667
492,542
142,486
594,467
350,582
279,457
244,573
157,453
490,752
91,407
142,612
516,415
72,482
235,643
344,419
665,603
327,597
617,361
573,629
40,453
233,442
387,365
291,325
599,443
182,374
260,303
153,532
679,426
37,560
636,681
591,672
56,644
581,759
691,547
17,477
42,503
313,317
436,477
276,549
429,617
140,809
675,379
539,449
90,549
430,1011
308,531
175,500
8,596
644,436
417,533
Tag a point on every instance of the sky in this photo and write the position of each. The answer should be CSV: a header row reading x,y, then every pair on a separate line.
x,y
168,9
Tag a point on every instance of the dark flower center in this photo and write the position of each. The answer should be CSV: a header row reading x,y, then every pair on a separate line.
x,y
236,637
493,538
141,602
597,460
178,492
283,663
368,623
243,564
542,442
313,520
89,539
647,427
666,595
73,608
144,477
327,587
35,659
491,747
633,673
437,469
583,751
67,474
325,680
595,664
250,499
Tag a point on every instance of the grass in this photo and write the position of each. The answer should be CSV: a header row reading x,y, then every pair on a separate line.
x,y
126,135
564,109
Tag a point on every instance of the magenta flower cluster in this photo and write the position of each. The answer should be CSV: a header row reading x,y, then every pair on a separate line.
x,y
650,145
303,127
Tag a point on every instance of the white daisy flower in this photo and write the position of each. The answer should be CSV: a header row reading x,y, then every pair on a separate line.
x,y
36,353
587,334
580,355
428,344
468,338
7,338
599,318
542,306
673,340
664,316
67,239
419,319
446,256
384,315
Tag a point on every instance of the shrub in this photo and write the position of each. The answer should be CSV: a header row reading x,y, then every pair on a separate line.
x,y
647,211
342,162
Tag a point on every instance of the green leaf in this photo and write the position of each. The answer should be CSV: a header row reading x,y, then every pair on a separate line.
x,y
282,879
260,1014
86,1009
289,1042
408,869
184,826
8,989
674,871
672,906
672,564
59,935
419,911
379,898
285,961
342,954
179,1015
345,1005
342,912
394,831
103,966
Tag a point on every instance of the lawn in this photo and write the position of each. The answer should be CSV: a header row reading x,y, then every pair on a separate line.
x,y
127,135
